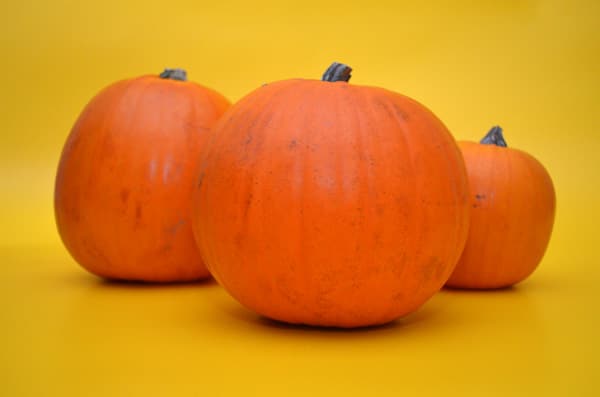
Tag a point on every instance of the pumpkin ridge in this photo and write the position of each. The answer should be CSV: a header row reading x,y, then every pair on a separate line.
x,y
97,160
529,192
350,131
530,167
508,205
453,259
406,144
489,270
253,142
256,175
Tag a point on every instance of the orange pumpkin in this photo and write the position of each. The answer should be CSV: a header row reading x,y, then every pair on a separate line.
x,y
126,175
513,201
329,204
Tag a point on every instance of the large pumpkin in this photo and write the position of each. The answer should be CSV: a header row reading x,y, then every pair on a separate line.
x,y
126,175
513,202
323,203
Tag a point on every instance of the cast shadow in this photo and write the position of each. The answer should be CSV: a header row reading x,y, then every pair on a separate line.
x,y
522,288
88,280
256,321
511,289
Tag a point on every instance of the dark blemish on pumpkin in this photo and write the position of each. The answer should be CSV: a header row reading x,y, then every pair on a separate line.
x,y
398,297
475,206
480,196
165,249
377,238
173,229
401,113
191,126
74,213
124,195
441,270
108,145
238,240
138,214
248,140
96,253
293,144
285,291
432,268
392,110
247,203
200,178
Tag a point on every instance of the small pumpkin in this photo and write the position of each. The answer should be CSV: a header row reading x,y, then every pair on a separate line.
x,y
329,204
126,174
512,214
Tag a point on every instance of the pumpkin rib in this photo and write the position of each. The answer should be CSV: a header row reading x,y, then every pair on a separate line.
x,y
533,167
245,188
257,189
364,147
412,239
91,168
132,102
132,105
422,190
525,213
505,207
497,223
361,152
302,243
129,95
518,190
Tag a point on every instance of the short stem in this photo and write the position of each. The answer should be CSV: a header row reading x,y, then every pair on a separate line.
x,y
494,137
337,72
174,74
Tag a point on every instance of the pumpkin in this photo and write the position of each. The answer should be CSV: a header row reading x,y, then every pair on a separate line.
x,y
126,175
328,204
512,213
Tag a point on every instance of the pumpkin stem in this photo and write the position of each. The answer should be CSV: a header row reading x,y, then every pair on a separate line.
x,y
337,72
494,137
174,74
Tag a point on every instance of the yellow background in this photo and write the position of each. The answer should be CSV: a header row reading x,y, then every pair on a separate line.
x,y
530,66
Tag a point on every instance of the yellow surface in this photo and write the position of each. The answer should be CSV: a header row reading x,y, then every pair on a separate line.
x,y
530,66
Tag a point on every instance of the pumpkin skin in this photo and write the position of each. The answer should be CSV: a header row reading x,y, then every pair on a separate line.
x,y
126,175
512,214
328,204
